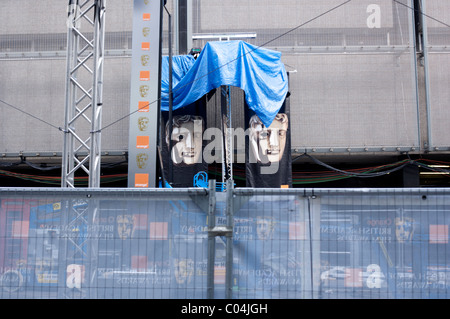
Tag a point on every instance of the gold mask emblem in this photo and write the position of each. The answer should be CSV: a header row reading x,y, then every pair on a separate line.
x,y
144,60
143,90
141,160
143,123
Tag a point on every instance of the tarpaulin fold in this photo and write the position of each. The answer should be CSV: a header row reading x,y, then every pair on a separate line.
x,y
259,72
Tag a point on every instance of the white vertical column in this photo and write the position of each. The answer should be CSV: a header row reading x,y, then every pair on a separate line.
x,y
145,94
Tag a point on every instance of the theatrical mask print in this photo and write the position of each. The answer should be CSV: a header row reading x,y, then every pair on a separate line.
x,y
141,160
184,270
125,226
145,59
265,228
404,229
143,123
187,139
267,144
143,90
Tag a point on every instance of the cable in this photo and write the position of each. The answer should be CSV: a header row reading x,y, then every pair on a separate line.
x,y
299,178
333,174
330,176
434,169
126,116
264,44
150,103
33,116
56,180
345,173
360,175
231,61
54,167
420,11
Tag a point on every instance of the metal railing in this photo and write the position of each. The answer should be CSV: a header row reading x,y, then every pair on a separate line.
x,y
243,243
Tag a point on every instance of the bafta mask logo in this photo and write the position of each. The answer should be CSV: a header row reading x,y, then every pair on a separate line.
x,y
125,225
141,160
404,229
143,90
146,31
146,1
143,123
187,137
264,228
145,60
267,144
184,269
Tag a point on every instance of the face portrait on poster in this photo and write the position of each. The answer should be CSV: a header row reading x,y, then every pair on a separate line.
x,y
182,148
268,150
125,225
404,229
187,139
267,144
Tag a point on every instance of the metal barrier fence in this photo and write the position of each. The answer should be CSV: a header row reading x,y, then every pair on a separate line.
x,y
243,243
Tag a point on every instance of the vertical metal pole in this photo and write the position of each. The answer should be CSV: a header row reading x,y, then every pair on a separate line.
x,y
72,47
228,150
414,69
97,94
229,244
211,239
183,26
92,249
170,100
230,146
312,286
62,248
427,74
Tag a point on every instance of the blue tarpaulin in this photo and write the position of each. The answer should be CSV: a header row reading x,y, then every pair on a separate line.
x,y
259,72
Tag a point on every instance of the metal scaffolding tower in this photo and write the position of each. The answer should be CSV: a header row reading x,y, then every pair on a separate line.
x,y
82,132
227,154
84,86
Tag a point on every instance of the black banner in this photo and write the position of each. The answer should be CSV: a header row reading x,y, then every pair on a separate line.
x,y
268,150
186,157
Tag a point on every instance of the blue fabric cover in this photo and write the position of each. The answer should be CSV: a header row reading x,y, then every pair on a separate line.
x,y
257,71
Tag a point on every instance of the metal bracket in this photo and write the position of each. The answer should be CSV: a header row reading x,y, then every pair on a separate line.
x,y
202,201
220,231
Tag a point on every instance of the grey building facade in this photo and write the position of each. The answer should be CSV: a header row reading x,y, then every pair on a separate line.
x,y
368,78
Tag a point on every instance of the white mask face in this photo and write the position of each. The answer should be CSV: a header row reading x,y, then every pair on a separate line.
x,y
268,144
187,137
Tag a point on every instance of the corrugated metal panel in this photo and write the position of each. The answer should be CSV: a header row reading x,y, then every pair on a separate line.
x,y
32,75
37,87
355,81
353,101
165,244
355,85
438,62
